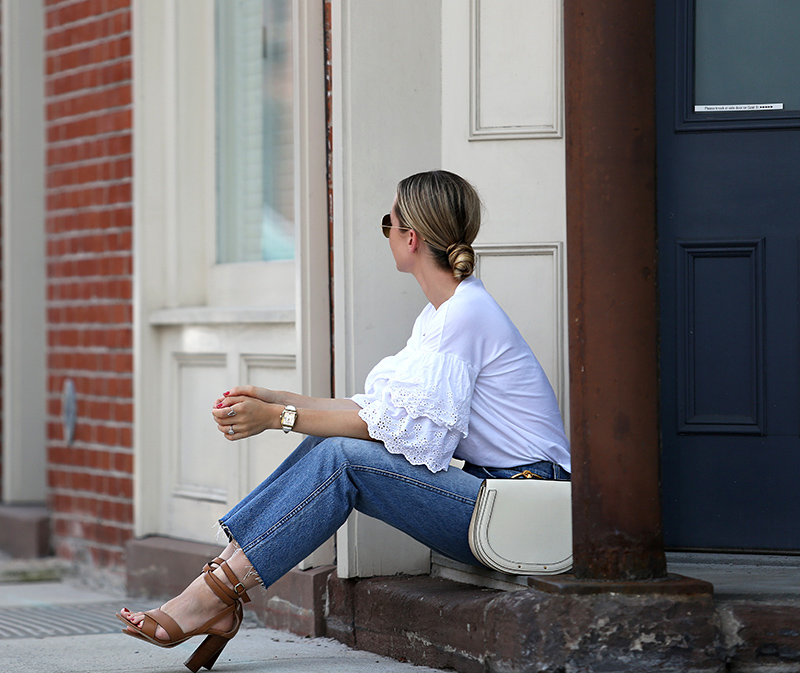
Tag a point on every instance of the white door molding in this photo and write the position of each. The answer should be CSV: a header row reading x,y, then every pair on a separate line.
x,y
386,125
24,267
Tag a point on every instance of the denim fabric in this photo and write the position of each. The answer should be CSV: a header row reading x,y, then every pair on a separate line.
x,y
542,468
311,494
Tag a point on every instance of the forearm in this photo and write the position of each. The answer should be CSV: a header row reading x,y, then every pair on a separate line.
x,y
285,397
315,403
245,415
331,423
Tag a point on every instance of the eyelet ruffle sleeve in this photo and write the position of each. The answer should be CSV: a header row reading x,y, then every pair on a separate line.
x,y
417,403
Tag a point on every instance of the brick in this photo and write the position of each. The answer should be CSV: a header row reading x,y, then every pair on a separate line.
x,y
123,413
71,13
98,410
116,217
123,462
125,439
98,29
68,153
105,170
105,434
112,5
101,74
89,217
54,430
104,122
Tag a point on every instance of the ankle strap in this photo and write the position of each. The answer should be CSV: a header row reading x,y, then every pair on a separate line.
x,y
223,591
214,562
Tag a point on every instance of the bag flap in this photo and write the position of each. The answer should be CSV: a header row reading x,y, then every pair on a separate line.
x,y
523,526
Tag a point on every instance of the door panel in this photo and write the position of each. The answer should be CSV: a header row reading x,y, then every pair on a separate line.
x,y
720,390
516,159
728,200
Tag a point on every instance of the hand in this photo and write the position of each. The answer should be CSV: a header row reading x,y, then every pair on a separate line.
x,y
244,415
263,394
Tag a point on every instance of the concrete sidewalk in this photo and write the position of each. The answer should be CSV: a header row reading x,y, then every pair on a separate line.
x,y
59,627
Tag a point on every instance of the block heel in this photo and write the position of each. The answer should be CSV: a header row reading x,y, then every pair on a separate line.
x,y
205,656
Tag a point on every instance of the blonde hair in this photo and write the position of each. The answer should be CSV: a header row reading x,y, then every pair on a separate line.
x,y
445,210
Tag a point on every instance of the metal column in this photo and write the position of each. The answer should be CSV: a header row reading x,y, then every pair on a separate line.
x,y
611,243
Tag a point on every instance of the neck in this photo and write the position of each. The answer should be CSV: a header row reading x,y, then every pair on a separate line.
x,y
437,284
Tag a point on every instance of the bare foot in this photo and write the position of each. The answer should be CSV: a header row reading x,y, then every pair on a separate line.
x,y
193,608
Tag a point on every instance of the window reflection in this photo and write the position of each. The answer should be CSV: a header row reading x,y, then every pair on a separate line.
x,y
746,53
255,134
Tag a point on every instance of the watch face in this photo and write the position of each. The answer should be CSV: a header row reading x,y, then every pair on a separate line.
x,y
288,417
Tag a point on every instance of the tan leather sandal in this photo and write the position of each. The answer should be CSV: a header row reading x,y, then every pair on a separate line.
x,y
210,649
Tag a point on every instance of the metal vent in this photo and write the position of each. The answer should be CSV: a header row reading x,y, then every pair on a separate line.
x,y
49,620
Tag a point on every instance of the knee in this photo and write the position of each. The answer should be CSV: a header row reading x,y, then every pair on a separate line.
x,y
350,450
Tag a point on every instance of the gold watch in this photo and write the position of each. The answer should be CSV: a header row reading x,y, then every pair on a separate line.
x,y
288,417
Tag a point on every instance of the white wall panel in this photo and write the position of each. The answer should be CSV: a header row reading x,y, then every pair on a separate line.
x,y
527,281
515,60
387,125
199,475
266,451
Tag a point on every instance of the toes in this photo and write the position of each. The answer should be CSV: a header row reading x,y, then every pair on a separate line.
x,y
134,619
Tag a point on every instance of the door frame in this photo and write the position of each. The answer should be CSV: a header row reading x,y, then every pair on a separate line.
x,y
24,330
174,199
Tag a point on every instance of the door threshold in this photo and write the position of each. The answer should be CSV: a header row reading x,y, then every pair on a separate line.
x,y
741,575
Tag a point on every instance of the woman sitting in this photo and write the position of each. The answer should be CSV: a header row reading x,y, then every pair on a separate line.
x,y
466,386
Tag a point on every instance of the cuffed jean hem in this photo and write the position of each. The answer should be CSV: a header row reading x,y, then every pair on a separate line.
x,y
312,493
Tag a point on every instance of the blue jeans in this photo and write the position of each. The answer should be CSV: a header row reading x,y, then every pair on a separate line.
x,y
312,493
542,469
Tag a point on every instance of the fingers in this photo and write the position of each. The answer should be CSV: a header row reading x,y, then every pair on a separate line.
x,y
263,394
229,408
232,433
233,393
244,414
240,391
225,415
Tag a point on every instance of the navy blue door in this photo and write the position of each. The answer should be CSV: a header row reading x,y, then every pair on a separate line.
x,y
728,120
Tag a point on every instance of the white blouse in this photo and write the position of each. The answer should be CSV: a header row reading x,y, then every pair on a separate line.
x,y
468,386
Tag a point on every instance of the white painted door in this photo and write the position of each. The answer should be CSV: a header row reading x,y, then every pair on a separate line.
x,y
472,86
502,112
226,293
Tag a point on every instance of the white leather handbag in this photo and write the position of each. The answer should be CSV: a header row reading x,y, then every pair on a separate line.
x,y
523,526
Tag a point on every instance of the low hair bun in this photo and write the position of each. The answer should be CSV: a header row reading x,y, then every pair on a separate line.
x,y
445,210
461,258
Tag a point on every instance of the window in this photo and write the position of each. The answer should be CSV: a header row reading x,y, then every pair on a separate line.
x,y
746,54
737,64
255,133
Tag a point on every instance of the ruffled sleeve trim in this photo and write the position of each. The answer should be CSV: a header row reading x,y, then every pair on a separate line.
x,y
418,404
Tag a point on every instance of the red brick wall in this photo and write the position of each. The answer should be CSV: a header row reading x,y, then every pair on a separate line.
x,y
88,98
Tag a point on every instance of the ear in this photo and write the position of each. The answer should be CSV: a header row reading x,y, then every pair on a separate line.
x,y
414,240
